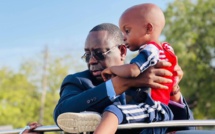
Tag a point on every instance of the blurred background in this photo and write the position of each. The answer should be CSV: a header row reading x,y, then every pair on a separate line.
x,y
42,41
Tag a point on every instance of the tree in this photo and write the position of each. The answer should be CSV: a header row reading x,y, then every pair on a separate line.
x,y
190,26
56,70
21,91
18,99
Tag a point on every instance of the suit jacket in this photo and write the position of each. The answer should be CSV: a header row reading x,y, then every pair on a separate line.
x,y
81,92
181,114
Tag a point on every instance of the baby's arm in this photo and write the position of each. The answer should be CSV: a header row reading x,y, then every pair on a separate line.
x,y
125,71
147,57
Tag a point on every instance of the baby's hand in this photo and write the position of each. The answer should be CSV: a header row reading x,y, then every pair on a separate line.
x,y
106,74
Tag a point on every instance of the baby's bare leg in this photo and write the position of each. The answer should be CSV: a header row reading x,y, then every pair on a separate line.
x,y
108,124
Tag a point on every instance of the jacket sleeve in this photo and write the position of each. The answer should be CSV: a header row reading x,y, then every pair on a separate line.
x,y
181,114
79,94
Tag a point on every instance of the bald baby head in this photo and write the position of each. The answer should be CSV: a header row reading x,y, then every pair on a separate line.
x,y
143,14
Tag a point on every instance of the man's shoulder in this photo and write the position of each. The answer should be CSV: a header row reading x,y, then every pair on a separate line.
x,y
84,74
81,79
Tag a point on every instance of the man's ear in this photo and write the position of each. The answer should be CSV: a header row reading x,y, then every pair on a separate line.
x,y
123,52
149,28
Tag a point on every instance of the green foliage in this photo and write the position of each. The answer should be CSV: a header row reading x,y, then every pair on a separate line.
x,y
18,99
190,27
21,92
57,69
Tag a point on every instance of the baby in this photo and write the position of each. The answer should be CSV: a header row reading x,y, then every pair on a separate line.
x,y
142,26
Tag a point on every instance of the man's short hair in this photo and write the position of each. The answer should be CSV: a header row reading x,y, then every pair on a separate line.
x,y
113,31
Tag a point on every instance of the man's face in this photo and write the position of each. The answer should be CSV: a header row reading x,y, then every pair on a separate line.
x,y
100,42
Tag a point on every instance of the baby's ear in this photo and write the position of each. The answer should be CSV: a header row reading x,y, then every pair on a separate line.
x,y
149,28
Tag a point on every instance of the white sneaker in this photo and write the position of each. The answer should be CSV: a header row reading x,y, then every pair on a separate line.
x,y
78,122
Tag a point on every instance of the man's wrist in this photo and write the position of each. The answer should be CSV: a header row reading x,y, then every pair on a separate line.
x,y
175,90
175,95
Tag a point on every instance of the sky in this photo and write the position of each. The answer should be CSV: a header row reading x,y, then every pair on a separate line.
x,y
27,26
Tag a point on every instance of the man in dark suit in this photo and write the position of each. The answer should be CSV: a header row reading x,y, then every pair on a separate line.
x,y
86,91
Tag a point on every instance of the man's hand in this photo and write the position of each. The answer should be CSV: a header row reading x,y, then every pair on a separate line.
x,y
154,76
179,74
32,126
151,77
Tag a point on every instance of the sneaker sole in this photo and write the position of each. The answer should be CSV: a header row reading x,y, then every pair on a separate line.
x,y
78,122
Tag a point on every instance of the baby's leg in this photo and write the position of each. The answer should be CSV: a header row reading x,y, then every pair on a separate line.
x,y
108,124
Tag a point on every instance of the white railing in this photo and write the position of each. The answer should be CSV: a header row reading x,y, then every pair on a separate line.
x,y
174,123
